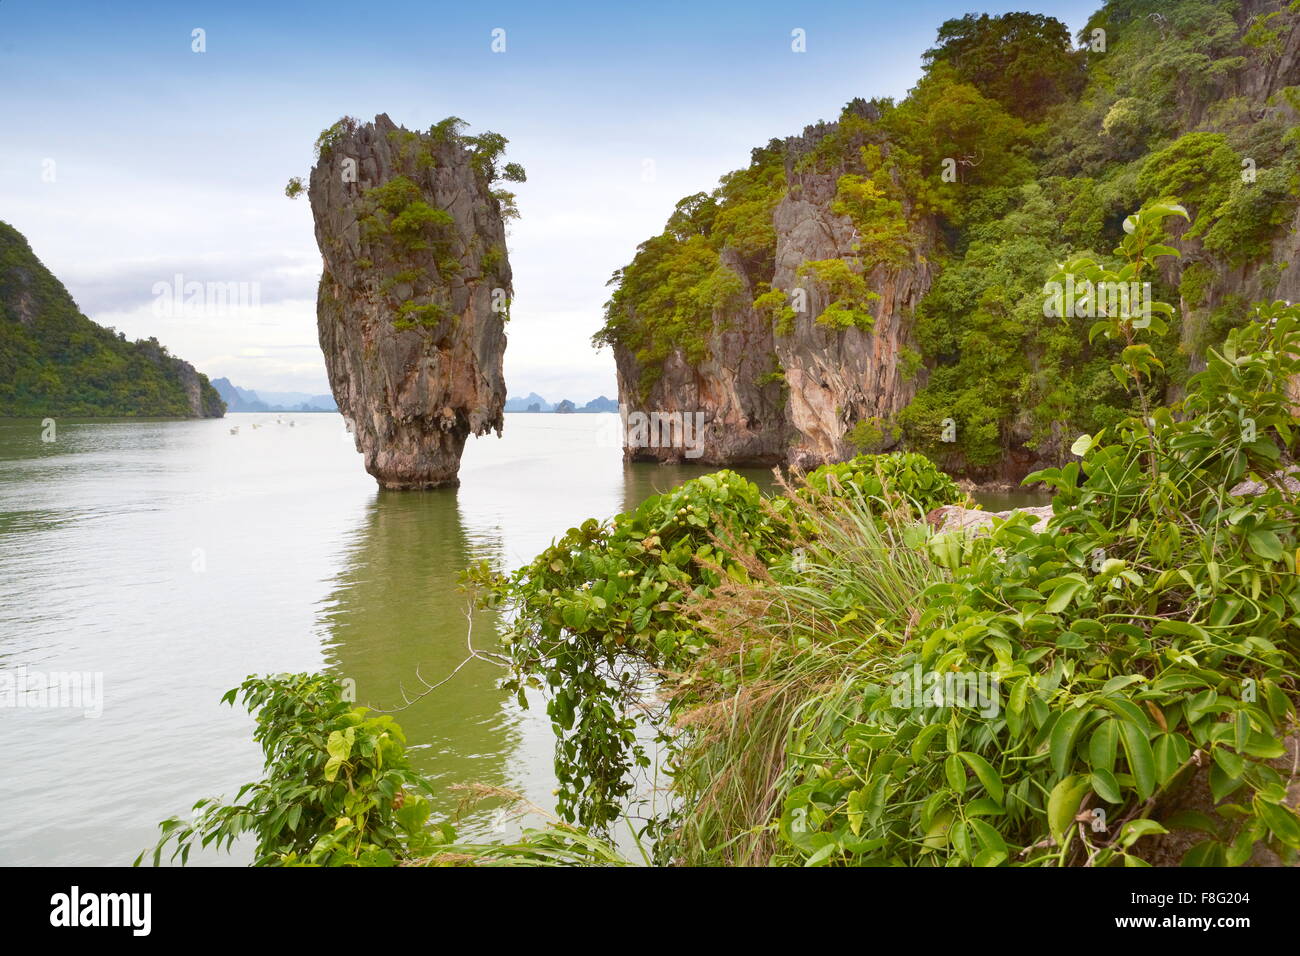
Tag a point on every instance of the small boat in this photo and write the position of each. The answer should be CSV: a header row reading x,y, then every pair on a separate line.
x,y
235,430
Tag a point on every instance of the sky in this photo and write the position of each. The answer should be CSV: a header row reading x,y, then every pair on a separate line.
x,y
129,159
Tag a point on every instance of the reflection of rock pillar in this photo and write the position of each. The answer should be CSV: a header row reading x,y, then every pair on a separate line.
x,y
395,608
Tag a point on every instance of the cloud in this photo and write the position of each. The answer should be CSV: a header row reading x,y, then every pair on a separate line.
x,y
124,285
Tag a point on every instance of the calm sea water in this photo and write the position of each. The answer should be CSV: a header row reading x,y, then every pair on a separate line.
x,y
175,558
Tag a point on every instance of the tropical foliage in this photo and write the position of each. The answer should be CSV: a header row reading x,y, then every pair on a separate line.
x,y
339,791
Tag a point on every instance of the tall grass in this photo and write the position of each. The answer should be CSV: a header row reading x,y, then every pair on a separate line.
x,y
792,647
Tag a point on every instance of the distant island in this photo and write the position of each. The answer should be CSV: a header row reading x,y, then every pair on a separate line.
x,y
246,400
535,403
56,361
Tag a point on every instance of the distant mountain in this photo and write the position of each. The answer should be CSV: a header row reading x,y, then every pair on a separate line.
x,y
525,404
55,361
237,399
294,400
535,403
246,400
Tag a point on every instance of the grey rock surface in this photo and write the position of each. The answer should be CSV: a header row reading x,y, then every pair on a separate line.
x,y
413,389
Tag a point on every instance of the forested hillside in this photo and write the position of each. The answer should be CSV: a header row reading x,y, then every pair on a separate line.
x,y
55,361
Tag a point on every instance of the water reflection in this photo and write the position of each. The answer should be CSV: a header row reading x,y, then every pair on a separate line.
x,y
395,611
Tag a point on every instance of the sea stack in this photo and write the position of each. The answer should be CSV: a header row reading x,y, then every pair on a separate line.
x,y
415,292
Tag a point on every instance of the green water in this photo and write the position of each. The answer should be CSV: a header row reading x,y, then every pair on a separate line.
x,y
174,558
1006,500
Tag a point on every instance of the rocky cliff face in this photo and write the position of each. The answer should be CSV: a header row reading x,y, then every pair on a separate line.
x,y
774,393
817,383
744,417
412,303
838,377
1259,87
201,397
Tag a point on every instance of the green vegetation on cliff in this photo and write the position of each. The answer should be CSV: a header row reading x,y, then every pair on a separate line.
x,y
398,221
1016,149
1009,376
666,299
55,361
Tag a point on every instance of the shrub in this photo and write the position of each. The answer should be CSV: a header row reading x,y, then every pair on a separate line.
x,y
851,300
1146,638
338,791
887,480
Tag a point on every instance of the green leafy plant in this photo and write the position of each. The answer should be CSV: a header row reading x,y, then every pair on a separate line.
x,y
1132,654
604,608
338,791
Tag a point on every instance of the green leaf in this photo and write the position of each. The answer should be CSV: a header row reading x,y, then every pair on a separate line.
x,y
1103,745
1063,805
1063,595
332,768
1064,733
989,838
1233,765
984,807
986,774
1222,784
1134,830
922,742
990,858
822,855
340,745
1141,761
955,772
1169,756
1265,544
936,837
1282,820
1242,730
1106,786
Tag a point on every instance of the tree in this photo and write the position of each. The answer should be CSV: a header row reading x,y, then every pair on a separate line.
x,y
1025,61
